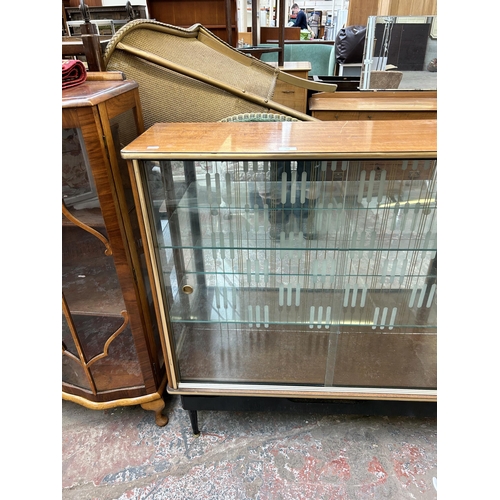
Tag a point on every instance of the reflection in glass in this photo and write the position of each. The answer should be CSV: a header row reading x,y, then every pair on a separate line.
x,y
400,53
77,180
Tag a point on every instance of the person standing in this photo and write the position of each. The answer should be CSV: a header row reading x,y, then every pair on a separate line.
x,y
300,19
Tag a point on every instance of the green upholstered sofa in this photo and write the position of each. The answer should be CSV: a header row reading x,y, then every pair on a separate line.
x,y
321,56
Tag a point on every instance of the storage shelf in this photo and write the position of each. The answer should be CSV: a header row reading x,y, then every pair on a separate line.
x,y
340,224
325,240
297,356
89,216
93,288
296,244
309,264
362,309
329,195
226,209
308,276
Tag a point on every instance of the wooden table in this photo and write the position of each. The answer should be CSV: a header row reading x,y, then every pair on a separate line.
x,y
381,105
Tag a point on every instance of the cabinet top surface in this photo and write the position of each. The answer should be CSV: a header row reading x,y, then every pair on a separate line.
x,y
91,93
375,101
240,140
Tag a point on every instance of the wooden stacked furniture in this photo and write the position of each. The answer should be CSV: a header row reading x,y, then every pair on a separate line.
x,y
271,34
218,16
87,47
383,105
360,10
290,95
118,15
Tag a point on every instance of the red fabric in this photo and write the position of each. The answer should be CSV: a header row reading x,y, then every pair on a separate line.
x,y
73,73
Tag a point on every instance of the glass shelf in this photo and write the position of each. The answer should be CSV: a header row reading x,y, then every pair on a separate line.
x,y
367,266
316,308
250,230
91,217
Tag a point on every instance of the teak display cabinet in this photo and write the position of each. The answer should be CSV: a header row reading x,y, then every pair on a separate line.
x,y
111,347
293,260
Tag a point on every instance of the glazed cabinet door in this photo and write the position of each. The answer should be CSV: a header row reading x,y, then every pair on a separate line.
x,y
297,273
99,353
111,347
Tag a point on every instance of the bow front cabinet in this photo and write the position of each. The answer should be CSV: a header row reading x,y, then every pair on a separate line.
x,y
112,352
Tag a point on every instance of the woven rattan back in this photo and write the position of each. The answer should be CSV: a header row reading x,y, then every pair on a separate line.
x,y
259,117
189,75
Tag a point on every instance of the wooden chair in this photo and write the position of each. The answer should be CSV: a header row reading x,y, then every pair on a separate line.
x,y
89,45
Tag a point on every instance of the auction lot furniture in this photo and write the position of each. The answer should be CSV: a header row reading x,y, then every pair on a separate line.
x,y
188,75
119,15
290,95
293,261
111,348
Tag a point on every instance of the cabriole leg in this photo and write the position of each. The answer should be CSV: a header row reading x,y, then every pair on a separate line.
x,y
157,406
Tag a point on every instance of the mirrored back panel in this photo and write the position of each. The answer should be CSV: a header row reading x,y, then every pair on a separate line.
x,y
400,52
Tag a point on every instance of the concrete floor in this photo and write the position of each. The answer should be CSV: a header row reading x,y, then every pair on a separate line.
x,y
121,454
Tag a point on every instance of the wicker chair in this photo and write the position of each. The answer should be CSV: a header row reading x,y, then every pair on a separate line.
x,y
190,75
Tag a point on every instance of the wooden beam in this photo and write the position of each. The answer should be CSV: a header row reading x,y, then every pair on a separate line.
x,y
280,14
229,23
255,7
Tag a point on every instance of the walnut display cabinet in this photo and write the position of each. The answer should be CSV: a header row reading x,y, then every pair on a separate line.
x,y
294,263
111,347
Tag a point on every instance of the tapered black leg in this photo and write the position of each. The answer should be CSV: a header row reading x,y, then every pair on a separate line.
x,y
193,416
